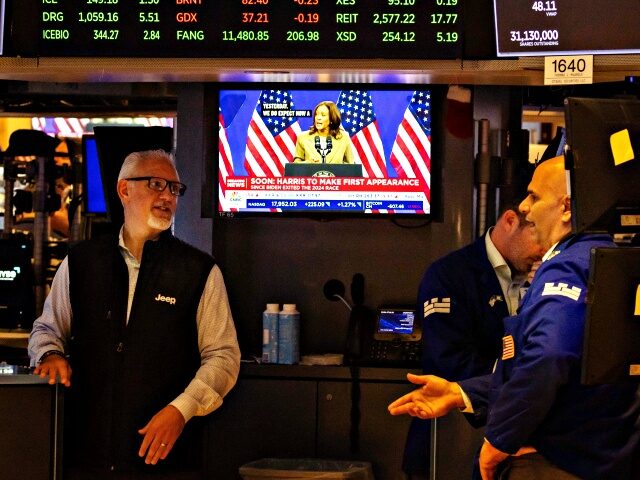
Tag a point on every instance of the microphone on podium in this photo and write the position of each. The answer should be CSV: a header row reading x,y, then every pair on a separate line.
x,y
323,151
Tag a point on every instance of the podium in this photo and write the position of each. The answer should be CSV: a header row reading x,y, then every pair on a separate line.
x,y
322,170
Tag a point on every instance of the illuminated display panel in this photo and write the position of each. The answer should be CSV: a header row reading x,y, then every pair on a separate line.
x,y
270,161
396,321
556,27
252,28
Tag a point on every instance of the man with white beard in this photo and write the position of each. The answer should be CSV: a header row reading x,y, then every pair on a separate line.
x,y
143,320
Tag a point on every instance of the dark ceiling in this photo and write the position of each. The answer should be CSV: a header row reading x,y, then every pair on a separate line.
x,y
77,98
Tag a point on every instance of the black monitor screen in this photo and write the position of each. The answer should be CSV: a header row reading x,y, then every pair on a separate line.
x,y
93,194
381,163
611,351
114,143
17,307
603,136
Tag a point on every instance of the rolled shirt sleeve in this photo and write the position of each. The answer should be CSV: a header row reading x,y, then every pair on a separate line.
x,y
219,351
51,330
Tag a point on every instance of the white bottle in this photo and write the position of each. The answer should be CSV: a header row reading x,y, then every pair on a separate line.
x,y
289,334
270,333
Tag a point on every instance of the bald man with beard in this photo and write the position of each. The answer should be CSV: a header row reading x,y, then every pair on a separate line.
x,y
541,423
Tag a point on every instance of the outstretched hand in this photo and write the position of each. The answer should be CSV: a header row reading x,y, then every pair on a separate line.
x,y
435,398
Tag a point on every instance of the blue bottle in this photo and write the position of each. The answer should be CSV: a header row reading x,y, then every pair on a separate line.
x,y
289,334
270,333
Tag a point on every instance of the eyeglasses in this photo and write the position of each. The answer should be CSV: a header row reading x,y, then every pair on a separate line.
x,y
159,184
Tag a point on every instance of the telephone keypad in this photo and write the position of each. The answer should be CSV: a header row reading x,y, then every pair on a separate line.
x,y
408,353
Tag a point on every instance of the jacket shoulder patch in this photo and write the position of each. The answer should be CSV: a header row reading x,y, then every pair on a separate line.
x,y
437,305
562,289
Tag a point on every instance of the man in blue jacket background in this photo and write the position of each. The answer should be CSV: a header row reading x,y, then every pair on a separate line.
x,y
464,296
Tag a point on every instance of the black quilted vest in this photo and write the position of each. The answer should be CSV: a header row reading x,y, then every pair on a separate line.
x,y
123,374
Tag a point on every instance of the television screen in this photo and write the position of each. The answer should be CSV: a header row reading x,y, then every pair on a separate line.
x,y
345,150
603,136
93,194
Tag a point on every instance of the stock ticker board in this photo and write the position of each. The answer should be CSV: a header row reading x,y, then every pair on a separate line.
x,y
340,29
555,27
398,29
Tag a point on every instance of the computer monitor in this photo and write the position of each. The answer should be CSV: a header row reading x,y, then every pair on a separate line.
x,y
603,136
611,351
94,202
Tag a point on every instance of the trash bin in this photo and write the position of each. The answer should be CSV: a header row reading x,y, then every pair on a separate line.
x,y
303,468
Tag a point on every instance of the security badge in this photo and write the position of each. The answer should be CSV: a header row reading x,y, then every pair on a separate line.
x,y
436,305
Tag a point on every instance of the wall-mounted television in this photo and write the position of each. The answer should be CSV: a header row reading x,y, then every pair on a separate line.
x,y
382,160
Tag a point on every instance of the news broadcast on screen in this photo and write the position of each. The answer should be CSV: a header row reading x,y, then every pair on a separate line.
x,y
378,160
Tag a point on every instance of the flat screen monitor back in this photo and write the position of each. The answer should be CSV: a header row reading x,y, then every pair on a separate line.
x,y
601,190
114,143
611,352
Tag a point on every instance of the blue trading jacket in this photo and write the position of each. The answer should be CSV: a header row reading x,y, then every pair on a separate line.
x,y
463,307
462,328
535,396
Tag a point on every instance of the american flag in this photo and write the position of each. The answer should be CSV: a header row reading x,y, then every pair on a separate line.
x,y
359,120
411,152
225,164
271,140
508,347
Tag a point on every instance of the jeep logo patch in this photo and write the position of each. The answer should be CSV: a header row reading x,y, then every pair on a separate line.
x,y
162,298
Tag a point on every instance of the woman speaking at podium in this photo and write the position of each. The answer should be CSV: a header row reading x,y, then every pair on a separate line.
x,y
326,141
